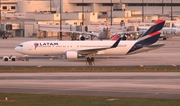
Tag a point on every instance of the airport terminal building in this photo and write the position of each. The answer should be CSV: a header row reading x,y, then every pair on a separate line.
x,y
147,6
30,13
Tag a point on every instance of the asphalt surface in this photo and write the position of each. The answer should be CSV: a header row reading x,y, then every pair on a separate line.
x,y
145,85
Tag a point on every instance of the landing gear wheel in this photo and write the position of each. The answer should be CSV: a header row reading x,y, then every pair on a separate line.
x,y
13,59
90,61
27,59
164,38
6,59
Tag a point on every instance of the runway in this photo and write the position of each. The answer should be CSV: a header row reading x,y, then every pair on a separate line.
x,y
146,85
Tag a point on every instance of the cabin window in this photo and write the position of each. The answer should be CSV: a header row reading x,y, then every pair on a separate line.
x,y
20,45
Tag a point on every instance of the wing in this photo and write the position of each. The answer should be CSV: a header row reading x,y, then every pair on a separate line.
x,y
83,33
95,50
128,32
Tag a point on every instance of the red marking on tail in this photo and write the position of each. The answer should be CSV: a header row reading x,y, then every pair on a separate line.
x,y
154,34
159,21
115,37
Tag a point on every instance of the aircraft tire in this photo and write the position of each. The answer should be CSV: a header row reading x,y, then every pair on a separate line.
x,y
13,59
5,59
27,59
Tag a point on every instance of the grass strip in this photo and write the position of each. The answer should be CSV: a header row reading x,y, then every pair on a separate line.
x,y
16,99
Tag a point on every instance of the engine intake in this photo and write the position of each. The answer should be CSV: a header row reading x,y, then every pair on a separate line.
x,y
71,54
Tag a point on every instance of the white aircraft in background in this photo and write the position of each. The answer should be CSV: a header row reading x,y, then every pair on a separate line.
x,y
176,25
104,33
74,49
165,32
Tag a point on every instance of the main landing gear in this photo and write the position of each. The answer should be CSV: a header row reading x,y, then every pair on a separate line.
x,y
90,61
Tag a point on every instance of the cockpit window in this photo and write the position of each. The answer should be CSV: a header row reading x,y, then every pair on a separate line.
x,y
20,45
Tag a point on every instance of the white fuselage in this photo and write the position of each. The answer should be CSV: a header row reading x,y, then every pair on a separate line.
x,y
61,47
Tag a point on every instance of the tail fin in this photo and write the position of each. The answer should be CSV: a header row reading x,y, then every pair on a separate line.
x,y
157,27
115,37
153,30
137,47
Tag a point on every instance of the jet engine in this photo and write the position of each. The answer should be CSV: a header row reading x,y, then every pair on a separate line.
x,y
81,37
71,55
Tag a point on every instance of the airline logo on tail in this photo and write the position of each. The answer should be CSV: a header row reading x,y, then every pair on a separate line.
x,y
149,37
115,37
157,27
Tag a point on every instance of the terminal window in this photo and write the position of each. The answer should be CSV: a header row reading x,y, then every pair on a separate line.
x,y
13,7
82,4
4,7
107,4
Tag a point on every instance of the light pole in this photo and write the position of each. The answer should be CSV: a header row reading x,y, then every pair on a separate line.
x,y
60,11
0,16
142,10
111,12
171,11
50,5
162,6
82,12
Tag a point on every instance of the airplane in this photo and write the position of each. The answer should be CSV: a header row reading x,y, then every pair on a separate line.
x,y
165,33
76,49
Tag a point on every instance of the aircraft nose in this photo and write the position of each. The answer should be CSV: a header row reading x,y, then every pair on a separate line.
x,y
17,49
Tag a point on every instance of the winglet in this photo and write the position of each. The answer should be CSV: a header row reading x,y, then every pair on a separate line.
x,y
116,43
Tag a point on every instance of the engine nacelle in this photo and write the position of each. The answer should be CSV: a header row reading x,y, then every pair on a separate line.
x,y
9,58
71,55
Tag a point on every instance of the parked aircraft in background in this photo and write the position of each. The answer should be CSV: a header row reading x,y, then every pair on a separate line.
x,y
176,25
75,49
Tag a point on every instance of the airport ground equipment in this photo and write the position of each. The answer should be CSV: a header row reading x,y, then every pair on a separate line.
x,y
9,58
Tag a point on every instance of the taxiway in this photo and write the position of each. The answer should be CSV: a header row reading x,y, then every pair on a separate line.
x,y
146,85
